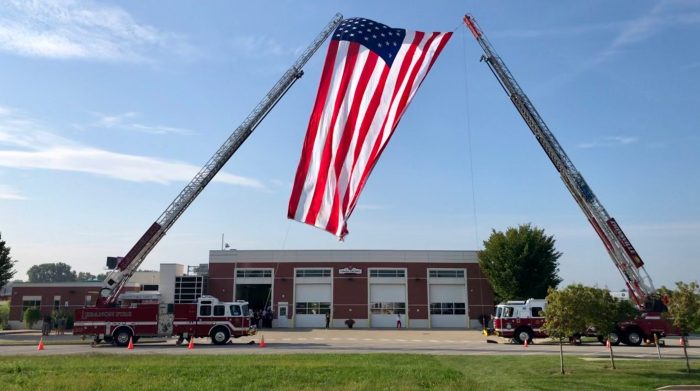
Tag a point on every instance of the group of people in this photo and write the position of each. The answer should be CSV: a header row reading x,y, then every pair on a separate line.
x,y
57,323
261,318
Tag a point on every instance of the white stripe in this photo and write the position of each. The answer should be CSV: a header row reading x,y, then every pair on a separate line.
x,y
347,170
337,132
377,122
321,134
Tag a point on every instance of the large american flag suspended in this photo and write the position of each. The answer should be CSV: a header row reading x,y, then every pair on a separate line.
x,y
370,75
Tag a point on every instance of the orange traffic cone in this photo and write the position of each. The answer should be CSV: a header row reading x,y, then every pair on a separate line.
x,y
131,344
607,343
191,344
262,343
41,344
525,344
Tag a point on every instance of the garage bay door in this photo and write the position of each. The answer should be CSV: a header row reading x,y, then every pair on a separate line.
x,y
313,301
386,300
447,305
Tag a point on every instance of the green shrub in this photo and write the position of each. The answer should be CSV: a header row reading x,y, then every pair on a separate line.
x,y
4,315
31,316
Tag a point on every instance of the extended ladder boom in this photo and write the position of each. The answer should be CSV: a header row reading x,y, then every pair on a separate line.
x,y
114,283
619,247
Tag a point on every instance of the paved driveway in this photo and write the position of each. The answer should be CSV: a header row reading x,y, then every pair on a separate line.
x,y
341,341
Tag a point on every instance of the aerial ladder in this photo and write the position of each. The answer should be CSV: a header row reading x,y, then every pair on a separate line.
x,y
623,254
126,266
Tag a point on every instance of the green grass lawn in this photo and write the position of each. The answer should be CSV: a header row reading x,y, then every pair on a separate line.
x,y
339,371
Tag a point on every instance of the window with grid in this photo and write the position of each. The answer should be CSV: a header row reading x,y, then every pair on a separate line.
x,y
253,273
313,273
30,304
447,309
313,308
387,308
447,273
387,273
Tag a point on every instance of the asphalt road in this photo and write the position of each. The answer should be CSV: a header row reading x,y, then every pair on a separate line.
x,y
448,342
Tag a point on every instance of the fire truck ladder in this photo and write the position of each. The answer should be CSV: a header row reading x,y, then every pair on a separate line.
x,y
117,278
623,254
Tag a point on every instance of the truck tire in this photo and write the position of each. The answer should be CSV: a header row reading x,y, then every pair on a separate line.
x,y
219,336
634,337
614,338
523,334
122,336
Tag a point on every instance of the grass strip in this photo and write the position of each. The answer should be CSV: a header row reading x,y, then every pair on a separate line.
x,y
333,371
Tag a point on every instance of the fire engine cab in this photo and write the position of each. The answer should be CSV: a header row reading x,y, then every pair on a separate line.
x,y
521,320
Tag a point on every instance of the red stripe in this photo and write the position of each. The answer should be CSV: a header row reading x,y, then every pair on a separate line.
x,y
327,153
348,131
312,130
377,142
364,128
407,91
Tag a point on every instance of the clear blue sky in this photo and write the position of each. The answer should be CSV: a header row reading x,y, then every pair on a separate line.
x,y
108,109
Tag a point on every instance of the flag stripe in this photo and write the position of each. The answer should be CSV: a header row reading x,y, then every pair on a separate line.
x,y
327,155
309,140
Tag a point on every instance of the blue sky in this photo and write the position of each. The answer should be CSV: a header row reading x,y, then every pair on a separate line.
x,y
108,109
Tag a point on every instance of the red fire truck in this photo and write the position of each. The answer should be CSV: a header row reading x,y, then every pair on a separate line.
x,y
517,319
522,320
208,317
120,320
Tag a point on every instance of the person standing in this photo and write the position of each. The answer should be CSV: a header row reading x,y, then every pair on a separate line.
x,y
398,320
328,319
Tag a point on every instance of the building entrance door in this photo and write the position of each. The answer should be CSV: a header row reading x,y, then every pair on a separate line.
x,y
282,311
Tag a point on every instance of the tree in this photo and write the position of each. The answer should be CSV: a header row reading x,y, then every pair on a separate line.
x,y
6,264
521,263
31,316
566,314
604,313
684,311
51,272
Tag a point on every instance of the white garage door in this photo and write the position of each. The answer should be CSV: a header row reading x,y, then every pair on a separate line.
x,y
312,301
385,301
448,305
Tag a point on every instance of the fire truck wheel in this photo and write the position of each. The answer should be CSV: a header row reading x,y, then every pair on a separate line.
x,y
219,336
614,338
522,335
122,337
634,337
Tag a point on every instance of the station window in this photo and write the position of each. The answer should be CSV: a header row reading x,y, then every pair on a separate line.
x,y
387,273
446,273
253,273
313,308
387,308
447,309
313,273
30,304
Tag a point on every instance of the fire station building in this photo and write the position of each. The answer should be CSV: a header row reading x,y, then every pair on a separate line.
x,y
427,289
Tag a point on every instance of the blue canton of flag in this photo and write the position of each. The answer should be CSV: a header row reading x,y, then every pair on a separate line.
x,y
379,38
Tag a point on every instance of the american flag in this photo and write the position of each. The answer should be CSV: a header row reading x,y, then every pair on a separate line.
x,y
370,75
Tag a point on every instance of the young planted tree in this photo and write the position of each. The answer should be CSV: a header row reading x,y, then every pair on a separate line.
x,y
604,314
684,311
520,263
566,314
